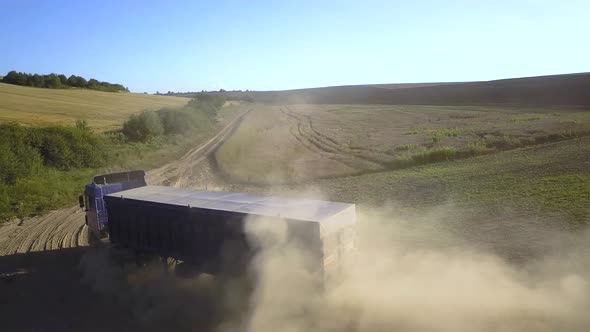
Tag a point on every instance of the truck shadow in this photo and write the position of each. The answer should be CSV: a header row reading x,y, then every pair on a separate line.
x,y
43,291
49,291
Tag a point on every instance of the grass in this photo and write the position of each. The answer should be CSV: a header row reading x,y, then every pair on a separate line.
x,y
44,191
440,133
103,110
405,147
443,153
526,119
445,132
436,134
551,179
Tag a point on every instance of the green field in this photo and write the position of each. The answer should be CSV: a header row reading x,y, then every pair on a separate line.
x,y
550,181
103,110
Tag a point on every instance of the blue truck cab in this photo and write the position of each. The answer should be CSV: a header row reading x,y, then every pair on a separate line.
x,y
93,203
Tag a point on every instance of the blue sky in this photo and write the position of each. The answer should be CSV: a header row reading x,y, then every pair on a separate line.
x,y
268,45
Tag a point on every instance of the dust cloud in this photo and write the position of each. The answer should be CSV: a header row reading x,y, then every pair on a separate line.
x,y
405,275
411,275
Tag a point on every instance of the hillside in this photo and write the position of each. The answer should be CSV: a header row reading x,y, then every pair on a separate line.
x,y
295,143
569,90
558,90
102,110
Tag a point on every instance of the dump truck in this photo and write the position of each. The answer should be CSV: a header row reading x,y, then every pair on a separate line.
x,y
208,231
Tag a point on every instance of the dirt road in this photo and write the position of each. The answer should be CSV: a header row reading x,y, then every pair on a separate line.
x,y
194,168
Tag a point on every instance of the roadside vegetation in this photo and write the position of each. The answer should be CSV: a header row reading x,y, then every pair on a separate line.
x,y
147,125
60,81
45,167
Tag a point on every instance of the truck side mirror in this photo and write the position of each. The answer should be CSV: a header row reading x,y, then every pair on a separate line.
x,y
81,200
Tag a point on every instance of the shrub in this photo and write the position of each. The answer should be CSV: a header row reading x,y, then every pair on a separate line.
x,y
67,148
83,125
184,120
143,126
23,150
208,103
176,122
16,161
17,158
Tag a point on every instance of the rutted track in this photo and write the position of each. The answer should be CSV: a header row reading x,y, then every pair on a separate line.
x,y
65,228
318,142
59,229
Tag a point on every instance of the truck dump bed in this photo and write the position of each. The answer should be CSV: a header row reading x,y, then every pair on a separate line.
x,y
208,228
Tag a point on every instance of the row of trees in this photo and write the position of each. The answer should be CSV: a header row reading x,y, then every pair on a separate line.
x,y
55,81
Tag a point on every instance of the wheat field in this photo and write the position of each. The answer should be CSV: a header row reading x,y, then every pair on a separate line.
x,y
102,110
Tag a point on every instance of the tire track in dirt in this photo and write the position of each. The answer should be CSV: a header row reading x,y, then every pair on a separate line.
x,y
66,228
35,234
320,143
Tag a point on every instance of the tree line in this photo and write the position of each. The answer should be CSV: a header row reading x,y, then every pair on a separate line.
x,y
55,81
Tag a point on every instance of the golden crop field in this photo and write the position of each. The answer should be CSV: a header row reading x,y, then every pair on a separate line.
x,y
103,110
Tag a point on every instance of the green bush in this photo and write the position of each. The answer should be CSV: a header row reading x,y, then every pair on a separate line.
x,y
143,126
17,159
200,112
176,122
67,148
207,103
180,122
25,149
